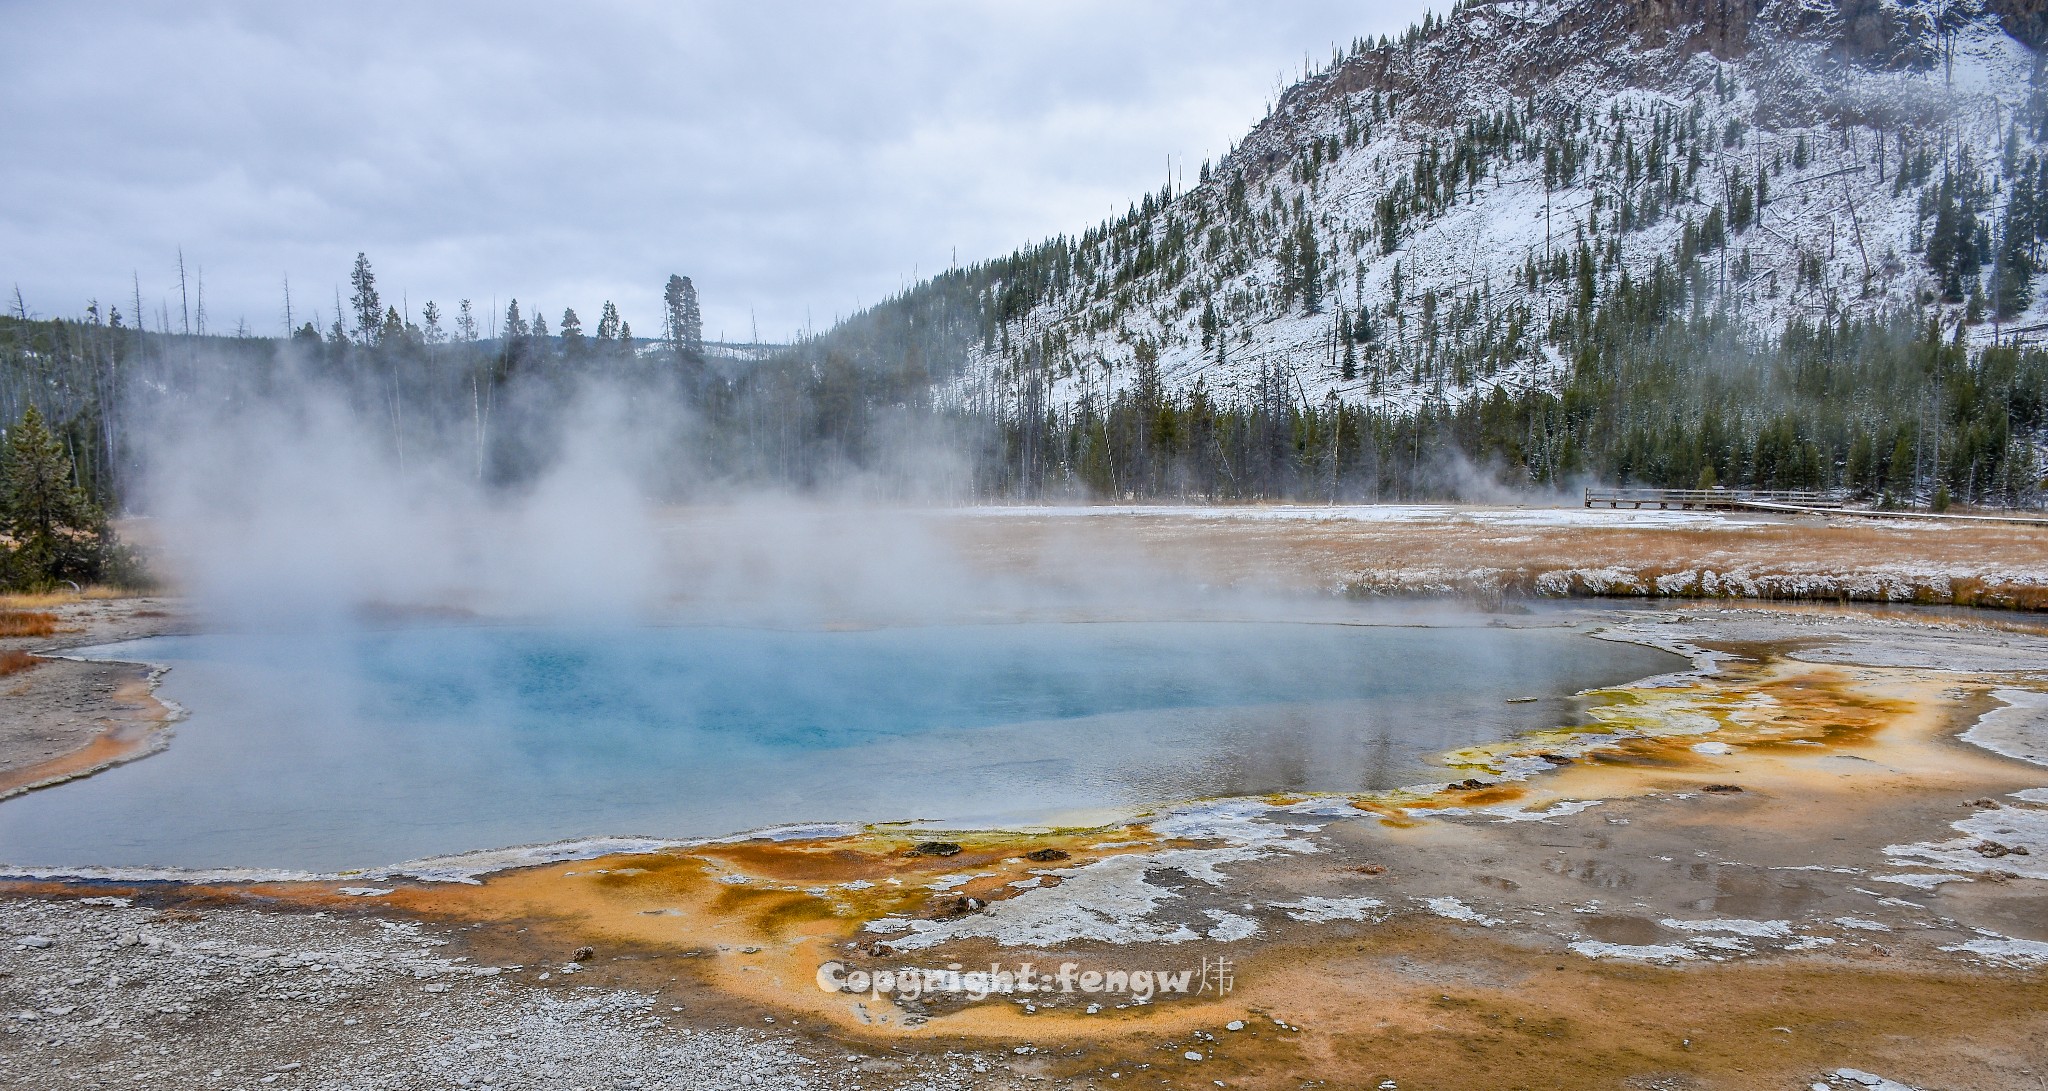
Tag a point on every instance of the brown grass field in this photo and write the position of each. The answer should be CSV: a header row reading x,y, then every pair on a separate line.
x,y
1471,554
27,623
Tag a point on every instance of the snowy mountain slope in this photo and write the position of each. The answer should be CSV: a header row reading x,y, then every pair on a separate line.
x,y
1429,207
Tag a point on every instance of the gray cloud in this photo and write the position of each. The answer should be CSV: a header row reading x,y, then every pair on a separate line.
x,y
793,158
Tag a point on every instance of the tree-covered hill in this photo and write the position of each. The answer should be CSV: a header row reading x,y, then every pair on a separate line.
x,y
1764,244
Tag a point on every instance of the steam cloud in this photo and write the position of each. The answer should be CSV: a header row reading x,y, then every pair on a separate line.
x,y
298,503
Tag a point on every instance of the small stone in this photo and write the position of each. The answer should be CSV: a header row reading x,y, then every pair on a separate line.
x,y
935,848
1046,856
1722,789
37,942
1234,1024
583,954
1192,1055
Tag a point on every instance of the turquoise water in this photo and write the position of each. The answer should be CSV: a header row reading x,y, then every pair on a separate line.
x,y
329,751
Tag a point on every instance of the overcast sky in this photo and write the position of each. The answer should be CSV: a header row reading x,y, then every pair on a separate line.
x,y
794,159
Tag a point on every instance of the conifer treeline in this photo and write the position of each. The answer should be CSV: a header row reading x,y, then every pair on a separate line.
x,y
1660,392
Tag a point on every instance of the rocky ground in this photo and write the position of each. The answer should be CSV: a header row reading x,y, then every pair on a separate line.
x,y
65,717
99,992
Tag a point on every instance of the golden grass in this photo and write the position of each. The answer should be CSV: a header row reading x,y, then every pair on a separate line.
x,y
16,662
44,600
29,623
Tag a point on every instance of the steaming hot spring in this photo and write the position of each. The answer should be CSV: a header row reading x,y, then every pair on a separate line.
x,y
328,749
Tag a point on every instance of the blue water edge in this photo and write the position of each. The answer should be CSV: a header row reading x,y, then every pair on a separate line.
x,y
352,749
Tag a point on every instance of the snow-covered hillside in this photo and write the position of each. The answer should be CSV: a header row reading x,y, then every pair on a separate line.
x,y
1408,224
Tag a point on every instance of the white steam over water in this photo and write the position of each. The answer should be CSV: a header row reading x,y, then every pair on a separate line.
x,y
300,509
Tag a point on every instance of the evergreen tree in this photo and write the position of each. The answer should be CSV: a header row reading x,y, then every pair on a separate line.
x,y
1309,270
363,298
53,531
2012,275
685,323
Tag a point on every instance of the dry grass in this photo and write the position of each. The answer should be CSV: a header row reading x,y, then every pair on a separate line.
x,y
43,600
26,623
16,663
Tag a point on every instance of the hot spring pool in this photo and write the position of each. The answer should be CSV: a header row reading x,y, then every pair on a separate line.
x,y
333,751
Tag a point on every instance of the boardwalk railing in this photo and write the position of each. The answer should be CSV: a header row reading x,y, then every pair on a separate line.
x,y
1725,499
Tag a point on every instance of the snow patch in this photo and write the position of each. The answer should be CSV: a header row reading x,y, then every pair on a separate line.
x,y
1860,1078
1230,927
1650,952
2001,839
1324,910
1453,909
1733,926
2018,730
2016,952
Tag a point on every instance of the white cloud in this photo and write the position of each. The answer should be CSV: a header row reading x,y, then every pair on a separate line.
x,y
788,156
